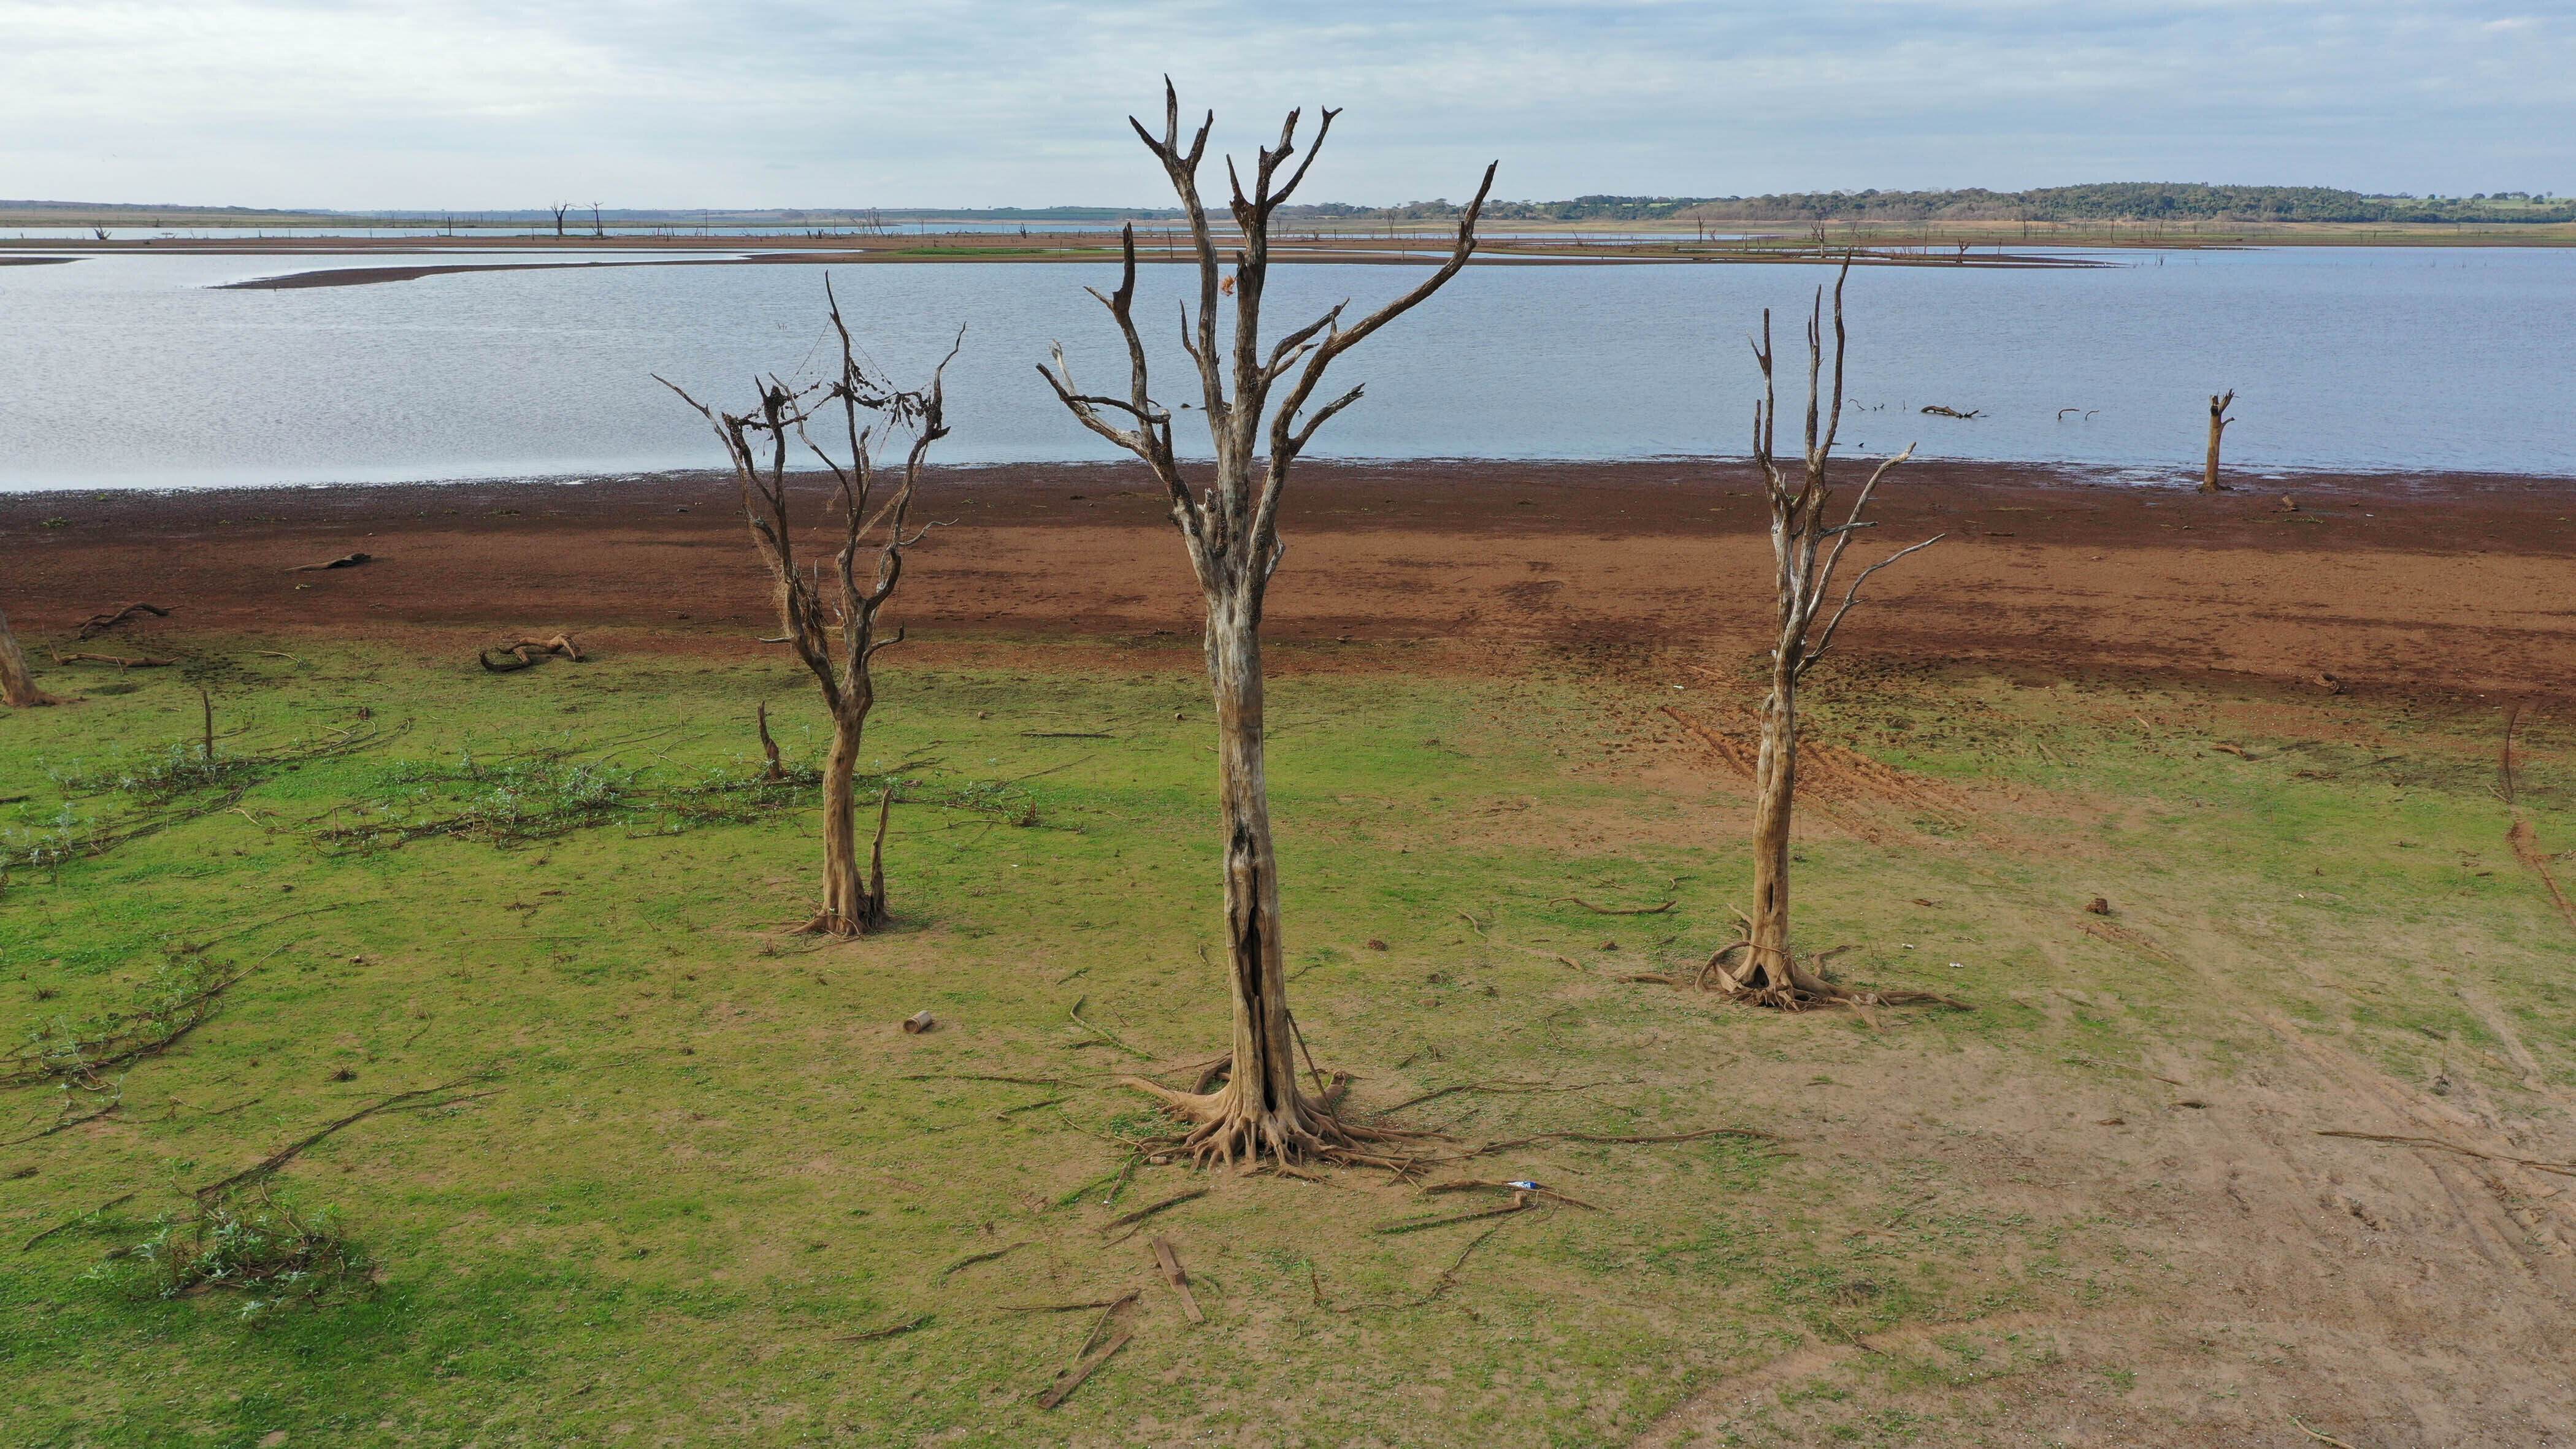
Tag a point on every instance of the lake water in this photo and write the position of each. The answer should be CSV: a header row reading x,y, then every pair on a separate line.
x,y
127,370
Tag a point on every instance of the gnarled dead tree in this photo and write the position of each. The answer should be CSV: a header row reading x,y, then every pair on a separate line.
x,y
1806,550
1256,402
837,639
17,686
2218,421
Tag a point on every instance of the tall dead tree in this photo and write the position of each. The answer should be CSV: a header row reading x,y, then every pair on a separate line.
x,y
559,211
1231,532
17,686
1806,549
2218,421
837,638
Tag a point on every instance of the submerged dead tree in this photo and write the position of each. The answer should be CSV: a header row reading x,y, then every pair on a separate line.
x,y
1257,403
2218,421
829,614
1806,550
17,686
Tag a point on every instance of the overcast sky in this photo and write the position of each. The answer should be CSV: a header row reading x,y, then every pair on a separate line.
x,y
475,103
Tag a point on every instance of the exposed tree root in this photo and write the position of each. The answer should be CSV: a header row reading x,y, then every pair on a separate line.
x,y
1787,984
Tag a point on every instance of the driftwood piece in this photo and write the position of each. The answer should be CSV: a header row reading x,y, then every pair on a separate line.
x,y
344,561
97,624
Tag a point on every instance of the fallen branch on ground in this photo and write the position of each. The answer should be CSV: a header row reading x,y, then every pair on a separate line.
x,y
344,561
1072,1378
400,1101
188,991
1447,1280
76,1220
1616,910
1113,1040
97,624
2563,1169
1474,1184
1521,1202
971,1259
1142,1213
907,1326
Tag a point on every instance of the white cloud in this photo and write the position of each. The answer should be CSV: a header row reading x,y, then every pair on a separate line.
x,y
462,103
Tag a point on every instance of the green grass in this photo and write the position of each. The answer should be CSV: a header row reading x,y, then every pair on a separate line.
x,y
711,1151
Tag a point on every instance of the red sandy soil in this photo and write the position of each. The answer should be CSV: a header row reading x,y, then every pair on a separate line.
x,y
2417,585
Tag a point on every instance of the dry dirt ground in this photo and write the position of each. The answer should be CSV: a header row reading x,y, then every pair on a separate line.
x,y
2368,1293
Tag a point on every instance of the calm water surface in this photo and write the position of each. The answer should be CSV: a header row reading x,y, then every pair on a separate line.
x,y
136,371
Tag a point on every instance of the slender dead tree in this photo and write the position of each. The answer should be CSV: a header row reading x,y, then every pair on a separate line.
x,y
559,210
1806,549
874,513
1257,404
2218,421
17,686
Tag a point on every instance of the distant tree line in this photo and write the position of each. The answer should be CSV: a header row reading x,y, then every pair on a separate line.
x,y
2101,201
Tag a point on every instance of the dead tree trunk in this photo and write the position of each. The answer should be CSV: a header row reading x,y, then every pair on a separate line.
x,y
1261,1112
2218,421
17,686
1762,966
559,216
870,517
